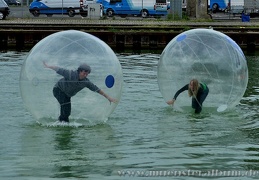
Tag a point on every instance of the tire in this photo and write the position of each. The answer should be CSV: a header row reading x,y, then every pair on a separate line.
x,y
144,13
215,7
110,12
123,15
83,13
36,12
71,13
1,16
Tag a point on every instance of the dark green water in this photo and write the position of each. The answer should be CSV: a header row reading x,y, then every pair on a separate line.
x,y
143,136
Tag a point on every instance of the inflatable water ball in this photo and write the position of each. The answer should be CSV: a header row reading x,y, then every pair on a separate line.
x,y
69,49
210,57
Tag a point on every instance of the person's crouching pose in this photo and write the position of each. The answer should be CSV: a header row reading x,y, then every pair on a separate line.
x,y
198,92
72,82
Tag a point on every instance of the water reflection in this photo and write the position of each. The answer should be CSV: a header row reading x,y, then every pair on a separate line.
x,y
63,138
68,151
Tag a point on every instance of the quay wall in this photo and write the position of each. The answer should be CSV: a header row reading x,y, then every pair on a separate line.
x,y
122,35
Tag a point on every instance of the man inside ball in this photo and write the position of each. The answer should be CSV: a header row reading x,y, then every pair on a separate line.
x,y
72,82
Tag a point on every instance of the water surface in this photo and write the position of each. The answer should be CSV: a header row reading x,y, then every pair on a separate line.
x,y
143,136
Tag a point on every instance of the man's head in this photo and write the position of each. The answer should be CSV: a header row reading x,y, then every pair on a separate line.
x,y
84,67
83,71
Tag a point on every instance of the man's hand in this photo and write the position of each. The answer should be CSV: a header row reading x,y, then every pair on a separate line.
x,y
112,100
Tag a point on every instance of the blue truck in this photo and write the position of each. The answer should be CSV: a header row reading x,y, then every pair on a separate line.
x,y
142,8
218,5
69,7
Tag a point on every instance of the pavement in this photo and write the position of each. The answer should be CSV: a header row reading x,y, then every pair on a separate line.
x,y
21,14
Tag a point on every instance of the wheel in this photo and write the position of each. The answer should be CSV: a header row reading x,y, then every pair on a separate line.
x,y
1,15
83,13
36,13
123,15
49,15
215,7
71,13
144,13
110,12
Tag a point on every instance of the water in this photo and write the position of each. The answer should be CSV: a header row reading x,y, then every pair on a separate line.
x,y
143,136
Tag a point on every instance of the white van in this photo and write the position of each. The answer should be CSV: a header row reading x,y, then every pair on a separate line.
x,y
4,9
69,7
50,7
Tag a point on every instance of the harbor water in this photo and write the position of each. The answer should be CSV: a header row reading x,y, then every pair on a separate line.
x,y
143,137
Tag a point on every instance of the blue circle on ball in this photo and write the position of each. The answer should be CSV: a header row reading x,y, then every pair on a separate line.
x,y
109,81
181,38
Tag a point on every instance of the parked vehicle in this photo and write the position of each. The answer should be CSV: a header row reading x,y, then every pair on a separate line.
x,y
251,7
13,2
84,4
225,5
50,7
218,5
184,5
4,9
142,8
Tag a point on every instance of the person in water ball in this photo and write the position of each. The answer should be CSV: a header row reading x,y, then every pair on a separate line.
x,y
198,91
72,82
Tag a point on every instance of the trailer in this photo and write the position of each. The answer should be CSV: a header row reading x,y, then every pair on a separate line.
x,y
251,7
91,8
142,8
236,7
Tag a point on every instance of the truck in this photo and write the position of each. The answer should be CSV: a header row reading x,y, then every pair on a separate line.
x,y
218,5
4,9
251,7
142,8
69,7
231,6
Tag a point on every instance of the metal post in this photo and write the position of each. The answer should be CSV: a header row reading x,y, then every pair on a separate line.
x,y
142,7
229,10
171,6
62,9
22,7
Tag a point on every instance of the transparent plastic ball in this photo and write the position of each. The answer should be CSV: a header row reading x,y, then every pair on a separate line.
x,y
210,57
68,50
